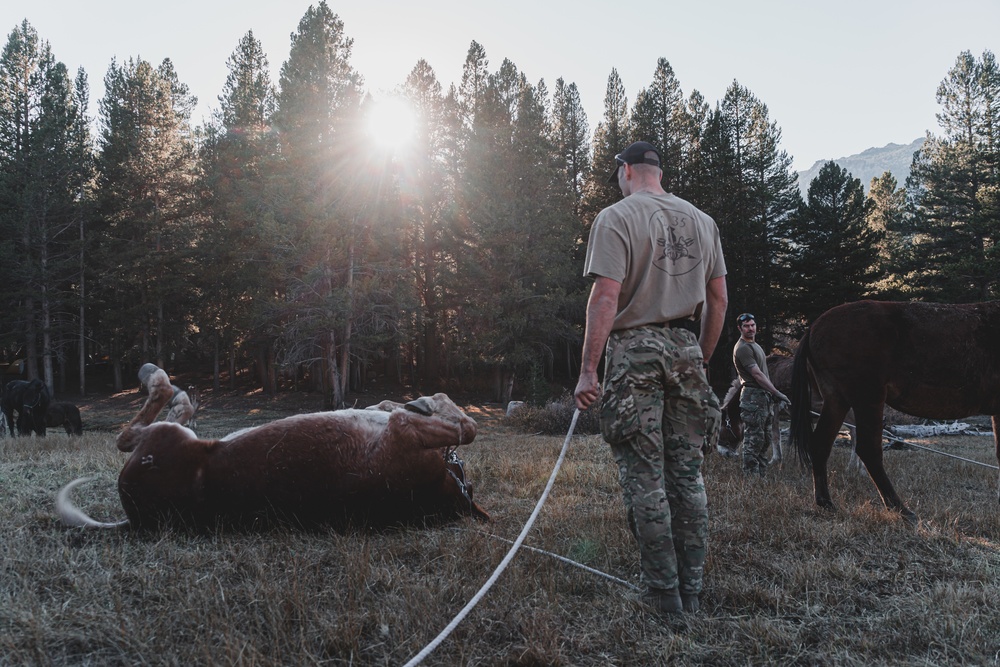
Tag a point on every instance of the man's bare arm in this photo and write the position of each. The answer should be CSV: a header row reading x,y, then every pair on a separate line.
x,y
713,315
601,310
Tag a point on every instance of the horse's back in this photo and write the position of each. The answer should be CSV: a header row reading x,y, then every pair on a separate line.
x,y
929,360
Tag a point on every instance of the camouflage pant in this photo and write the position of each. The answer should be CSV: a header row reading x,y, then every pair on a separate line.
x,y
757,412
658,413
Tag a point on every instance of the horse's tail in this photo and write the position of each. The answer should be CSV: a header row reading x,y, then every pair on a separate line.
x,y
73,516
801,427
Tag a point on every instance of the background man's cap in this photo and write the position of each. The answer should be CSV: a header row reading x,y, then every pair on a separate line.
x,y
634,154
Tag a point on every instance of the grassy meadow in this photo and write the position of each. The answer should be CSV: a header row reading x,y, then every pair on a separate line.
x,y
786,583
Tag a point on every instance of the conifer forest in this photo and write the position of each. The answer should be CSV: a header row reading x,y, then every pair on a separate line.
x,y
283,243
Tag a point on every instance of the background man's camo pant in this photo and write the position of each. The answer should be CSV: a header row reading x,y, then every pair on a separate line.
x,y
756,413
658,412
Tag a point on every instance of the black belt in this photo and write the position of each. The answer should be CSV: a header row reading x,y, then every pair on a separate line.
x,y
694,326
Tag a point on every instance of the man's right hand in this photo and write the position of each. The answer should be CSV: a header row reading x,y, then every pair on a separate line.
x,y
587,390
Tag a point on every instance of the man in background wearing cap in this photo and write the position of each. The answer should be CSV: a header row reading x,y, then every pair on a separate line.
x,y
659,276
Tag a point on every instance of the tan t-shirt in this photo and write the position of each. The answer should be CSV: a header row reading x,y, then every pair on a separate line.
x,y
745,355
663,251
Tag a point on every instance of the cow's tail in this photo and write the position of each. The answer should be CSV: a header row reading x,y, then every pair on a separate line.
x,y
801,427
73,516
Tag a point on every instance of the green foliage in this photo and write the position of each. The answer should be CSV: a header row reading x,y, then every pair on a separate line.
x,y
148,227
750,190
887,217
45,174
278,231
238,253
571,153
515,262
659,118
830,255
611,136
954,185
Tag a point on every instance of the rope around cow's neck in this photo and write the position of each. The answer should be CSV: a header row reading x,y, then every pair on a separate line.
x,y
418,658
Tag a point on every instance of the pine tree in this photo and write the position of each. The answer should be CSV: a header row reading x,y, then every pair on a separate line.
x,y
569,139
428,193
750,191
887,217
324,188
237,248
612,135
519,228
694,123
954,183
44,160
658,117
145,200
831,252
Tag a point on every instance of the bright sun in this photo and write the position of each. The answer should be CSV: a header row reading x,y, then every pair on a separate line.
x,y
392,122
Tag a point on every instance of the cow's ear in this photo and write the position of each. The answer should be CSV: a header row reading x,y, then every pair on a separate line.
x,y
421,406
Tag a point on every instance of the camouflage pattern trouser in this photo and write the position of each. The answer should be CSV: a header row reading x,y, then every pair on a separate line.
x,y
657,413
756,411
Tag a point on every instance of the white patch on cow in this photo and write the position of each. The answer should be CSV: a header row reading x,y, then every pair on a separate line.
x,y
370,422
238,433
184,430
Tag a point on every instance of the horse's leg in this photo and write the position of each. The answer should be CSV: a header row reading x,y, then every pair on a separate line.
x,y
820,446
775,436
869,448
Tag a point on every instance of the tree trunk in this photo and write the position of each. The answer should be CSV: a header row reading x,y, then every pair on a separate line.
x,y
216,353
83,329
272,375
48,375
335,394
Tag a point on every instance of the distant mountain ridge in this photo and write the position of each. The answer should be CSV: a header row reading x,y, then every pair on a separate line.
x,y
868,164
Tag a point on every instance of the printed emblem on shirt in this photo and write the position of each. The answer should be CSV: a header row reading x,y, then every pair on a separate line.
x,y
675,237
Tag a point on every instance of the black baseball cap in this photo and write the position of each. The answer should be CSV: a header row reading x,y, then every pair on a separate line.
x,y
634,154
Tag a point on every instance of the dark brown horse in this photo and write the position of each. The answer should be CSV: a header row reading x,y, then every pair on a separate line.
x,y
938,361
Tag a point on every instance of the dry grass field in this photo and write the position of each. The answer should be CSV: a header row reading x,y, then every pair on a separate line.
x,y
786,583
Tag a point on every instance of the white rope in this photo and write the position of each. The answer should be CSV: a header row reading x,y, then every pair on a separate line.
x,y
892,438
417,659
565,560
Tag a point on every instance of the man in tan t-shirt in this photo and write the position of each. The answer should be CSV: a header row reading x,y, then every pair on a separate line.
x,y
659,276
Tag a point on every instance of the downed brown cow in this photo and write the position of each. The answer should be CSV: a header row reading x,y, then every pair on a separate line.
x,y
387,464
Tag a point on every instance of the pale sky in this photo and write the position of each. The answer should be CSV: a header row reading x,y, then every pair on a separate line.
x,y
837,77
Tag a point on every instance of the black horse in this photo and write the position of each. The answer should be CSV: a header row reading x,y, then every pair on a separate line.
x,y
66,415
30,400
